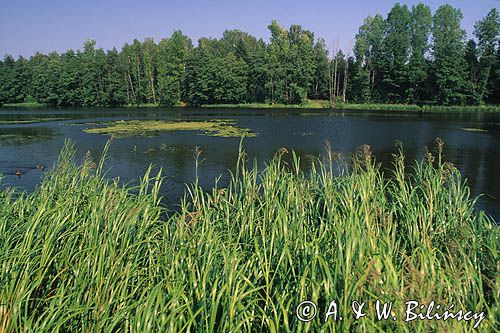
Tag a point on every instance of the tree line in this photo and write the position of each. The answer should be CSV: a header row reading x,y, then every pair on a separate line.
x,y
411,56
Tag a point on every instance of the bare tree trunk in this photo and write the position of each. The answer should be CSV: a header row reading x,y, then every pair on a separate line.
x,y
152,84
372,84
337,93
127,86
137,65
330,82
335,79
485,83
130,81
346,71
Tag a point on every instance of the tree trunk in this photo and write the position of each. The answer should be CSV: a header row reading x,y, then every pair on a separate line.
x,y
335,79
346,71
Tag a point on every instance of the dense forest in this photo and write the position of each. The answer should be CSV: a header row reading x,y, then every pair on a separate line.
x,y
411,56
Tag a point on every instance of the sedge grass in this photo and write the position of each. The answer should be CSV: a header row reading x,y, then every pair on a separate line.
x,y
86,254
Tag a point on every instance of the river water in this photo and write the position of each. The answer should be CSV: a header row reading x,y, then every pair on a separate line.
x,y
471,143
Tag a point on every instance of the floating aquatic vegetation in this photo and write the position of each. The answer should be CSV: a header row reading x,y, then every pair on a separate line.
x,y
23,136
131,128
471,129
30,121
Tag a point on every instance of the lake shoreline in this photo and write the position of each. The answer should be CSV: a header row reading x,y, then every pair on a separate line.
x,y
316,105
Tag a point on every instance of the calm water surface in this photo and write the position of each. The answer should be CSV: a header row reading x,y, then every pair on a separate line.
x,y
472,143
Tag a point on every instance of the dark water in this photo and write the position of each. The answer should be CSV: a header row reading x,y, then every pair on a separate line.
x,y
24,145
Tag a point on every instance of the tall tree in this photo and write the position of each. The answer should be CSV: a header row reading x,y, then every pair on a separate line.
x,y
258,73
70,90
494,82
487,32
448,52
319,88
420,28
115,83
89,74
9,87
172,59
368,50
149,54
278,58
300,65
396,51
473,95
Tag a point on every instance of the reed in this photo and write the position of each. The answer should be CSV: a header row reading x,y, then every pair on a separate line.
x,y
321,104
86,254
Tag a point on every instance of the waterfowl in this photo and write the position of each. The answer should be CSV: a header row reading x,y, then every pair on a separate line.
x,y
19,173
40,167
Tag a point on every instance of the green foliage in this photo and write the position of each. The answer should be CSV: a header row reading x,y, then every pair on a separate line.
x,y
420,28
487,32
448,51
395,54
84,254
172,59
410,56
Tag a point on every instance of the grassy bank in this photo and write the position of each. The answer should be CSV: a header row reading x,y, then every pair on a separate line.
x,y
85,254
24,105
363,107
314,104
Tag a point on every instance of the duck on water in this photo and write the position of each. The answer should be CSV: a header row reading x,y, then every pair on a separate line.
x,y
19,173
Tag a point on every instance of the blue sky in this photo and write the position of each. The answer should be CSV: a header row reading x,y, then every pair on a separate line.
x,y
29,26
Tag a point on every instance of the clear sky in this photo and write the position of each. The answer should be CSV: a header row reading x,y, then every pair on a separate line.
x,y
27,26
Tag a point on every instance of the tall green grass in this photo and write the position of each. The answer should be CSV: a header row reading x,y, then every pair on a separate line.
x,y
85,254
25,105
322,104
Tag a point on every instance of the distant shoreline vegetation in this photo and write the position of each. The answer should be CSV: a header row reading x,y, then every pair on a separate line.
x,y
321,104
409,57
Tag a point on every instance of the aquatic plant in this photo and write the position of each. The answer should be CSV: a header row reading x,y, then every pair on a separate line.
x,y
86,254
131,128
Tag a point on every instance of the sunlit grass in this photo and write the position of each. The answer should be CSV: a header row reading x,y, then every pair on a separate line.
x,y
322,104
85,254
24,105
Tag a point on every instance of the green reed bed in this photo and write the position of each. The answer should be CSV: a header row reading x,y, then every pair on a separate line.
x,y
321,104
24,105
85,254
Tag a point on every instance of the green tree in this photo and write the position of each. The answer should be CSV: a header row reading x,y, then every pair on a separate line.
x,y
420,28
70,90
172,60
494,82
114,80
319,88
487,32
471,58
301,65
448,51
396,51
369,66
278,58
9,89
150,53
258,73
89,74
